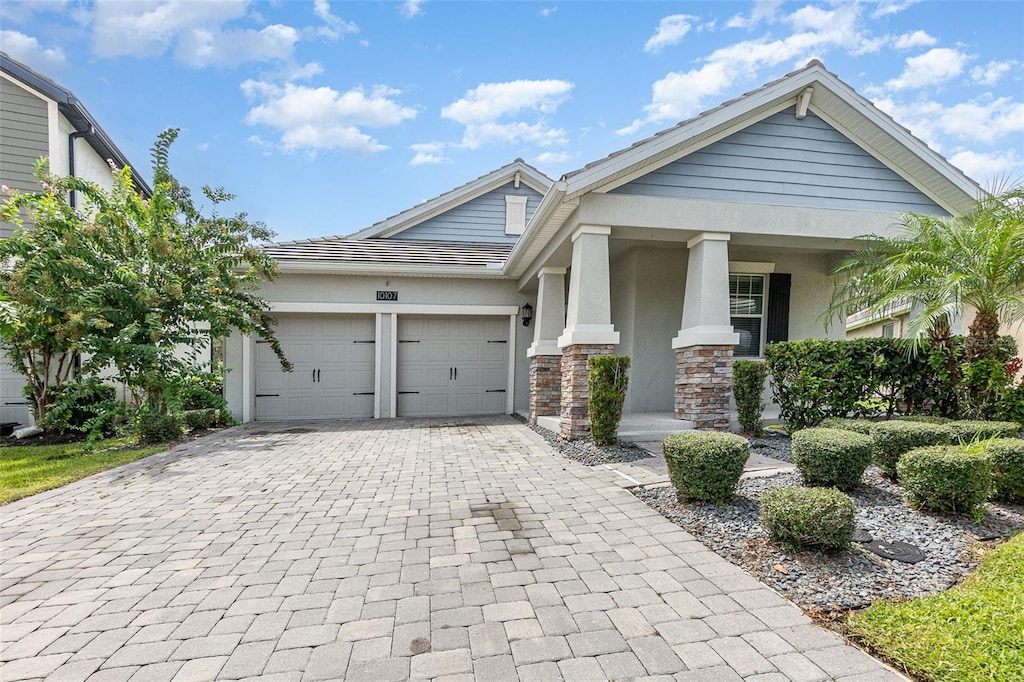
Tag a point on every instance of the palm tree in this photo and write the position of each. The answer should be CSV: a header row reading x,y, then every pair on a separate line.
x,y
943,265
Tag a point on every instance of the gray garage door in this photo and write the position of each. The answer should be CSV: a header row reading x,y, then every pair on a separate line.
x,y
333,358
452,366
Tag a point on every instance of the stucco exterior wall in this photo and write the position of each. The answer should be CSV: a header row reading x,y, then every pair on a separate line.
x,y
874,330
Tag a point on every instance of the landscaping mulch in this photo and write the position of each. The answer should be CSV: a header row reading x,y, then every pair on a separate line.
x,y
585,452
848,579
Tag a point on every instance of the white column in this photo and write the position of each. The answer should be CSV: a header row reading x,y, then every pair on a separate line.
x,y
706,319
550,318
589,316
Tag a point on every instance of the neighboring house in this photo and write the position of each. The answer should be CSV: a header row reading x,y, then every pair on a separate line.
x,y
40,118
696,245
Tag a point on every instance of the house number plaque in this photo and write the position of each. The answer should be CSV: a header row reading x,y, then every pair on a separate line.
x,y
387,295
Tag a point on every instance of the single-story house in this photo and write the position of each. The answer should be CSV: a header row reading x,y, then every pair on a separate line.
x,y
699,244
40,118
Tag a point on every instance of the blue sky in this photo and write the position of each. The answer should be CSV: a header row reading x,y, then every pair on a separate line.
x,y
324,117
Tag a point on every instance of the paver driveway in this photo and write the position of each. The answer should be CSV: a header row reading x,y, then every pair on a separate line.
x,y
382,550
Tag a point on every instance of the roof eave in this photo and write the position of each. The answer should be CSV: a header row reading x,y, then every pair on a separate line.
x,y
492,271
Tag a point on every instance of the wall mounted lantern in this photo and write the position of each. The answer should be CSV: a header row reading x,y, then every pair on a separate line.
x,y
527,314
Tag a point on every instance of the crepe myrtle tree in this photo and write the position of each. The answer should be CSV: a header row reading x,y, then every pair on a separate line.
x,y
942,265
138,284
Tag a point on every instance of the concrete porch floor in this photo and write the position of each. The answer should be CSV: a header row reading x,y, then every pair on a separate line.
x,y
641,427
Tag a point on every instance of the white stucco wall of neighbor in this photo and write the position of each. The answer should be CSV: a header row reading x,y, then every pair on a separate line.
x,y
344,294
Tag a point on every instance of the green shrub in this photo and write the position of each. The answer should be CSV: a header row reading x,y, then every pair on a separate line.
x,y
967,431
748,378
158,428
946,478
1012,409
1007,468
856,425
924,418
893,438
90,407
809,517
194,420
705,465
831,457
609,379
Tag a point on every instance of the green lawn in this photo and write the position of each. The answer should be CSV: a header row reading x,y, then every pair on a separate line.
x,y
974,631
27,470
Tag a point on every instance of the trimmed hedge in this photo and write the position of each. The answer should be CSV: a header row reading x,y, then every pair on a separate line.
x,y
200,419
1007,468
705,465
894,438
609,379
831,457
748,377
855,425
924,418
809,517
157,428
946,478
967,431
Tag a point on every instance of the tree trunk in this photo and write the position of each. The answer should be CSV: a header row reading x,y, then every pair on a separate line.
x,y
982,337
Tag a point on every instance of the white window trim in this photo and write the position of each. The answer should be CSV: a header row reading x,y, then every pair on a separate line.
x,y
759,271
515,214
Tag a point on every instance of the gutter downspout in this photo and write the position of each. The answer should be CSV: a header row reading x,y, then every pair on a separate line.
x,y
72,200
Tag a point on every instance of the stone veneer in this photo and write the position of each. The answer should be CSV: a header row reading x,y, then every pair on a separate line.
x,y
545,386
703,385
575,387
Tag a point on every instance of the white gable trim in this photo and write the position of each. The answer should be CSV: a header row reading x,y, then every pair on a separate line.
x,y
445,202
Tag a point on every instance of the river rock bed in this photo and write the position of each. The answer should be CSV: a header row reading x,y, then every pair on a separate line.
x,y
849,579
585,452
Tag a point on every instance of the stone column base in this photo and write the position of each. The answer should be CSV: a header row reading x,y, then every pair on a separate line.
x,y
545,386
575,388
703,385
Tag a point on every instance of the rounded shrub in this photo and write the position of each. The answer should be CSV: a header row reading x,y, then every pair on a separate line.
x,y
809,517
856,425
893,438
831,457
705,465
946,478
199,419
967,431
1007,468
157,428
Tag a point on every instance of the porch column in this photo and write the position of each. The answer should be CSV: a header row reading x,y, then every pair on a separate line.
x,y
544,353
588,324
705,341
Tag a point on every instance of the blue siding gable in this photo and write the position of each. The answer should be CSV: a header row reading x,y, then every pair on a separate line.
x,y
788,162
478,220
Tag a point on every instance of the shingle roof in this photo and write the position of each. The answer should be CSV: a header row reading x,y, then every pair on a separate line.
x,y
340,250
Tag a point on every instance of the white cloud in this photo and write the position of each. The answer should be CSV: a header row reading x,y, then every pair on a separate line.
x,y
428,153
764,10
909,41
989,167
195,30
993,72
411,8
885,8
982,121
313,119
681,94
203,146
27,49
671,31
545,12
481,109
546,158
334,26
934,67
22,11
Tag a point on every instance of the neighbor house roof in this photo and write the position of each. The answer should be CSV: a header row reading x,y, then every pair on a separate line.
x,y
455,197
346,255
823,93
75,112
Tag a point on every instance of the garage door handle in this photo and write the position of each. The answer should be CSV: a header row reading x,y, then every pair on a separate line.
x,y
450,373
268,395
370,341
364,393
408,392
456,373
406,341
15,403
502,341
318,376
495,390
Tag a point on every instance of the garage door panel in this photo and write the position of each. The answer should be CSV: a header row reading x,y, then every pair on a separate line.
x,y
329,367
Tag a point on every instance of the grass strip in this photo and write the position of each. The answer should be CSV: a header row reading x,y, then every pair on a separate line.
x,y
30,469
974,631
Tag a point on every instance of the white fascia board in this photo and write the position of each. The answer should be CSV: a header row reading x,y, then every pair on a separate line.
x,y
319,267
452,198
602,172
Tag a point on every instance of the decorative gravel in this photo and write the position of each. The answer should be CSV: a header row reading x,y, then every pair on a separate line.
x,y
585,452
847,579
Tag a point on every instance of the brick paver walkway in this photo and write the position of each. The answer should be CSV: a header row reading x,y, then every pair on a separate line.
x,y
382,551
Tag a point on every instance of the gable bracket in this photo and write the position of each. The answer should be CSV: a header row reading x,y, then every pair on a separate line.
x,y
802,102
